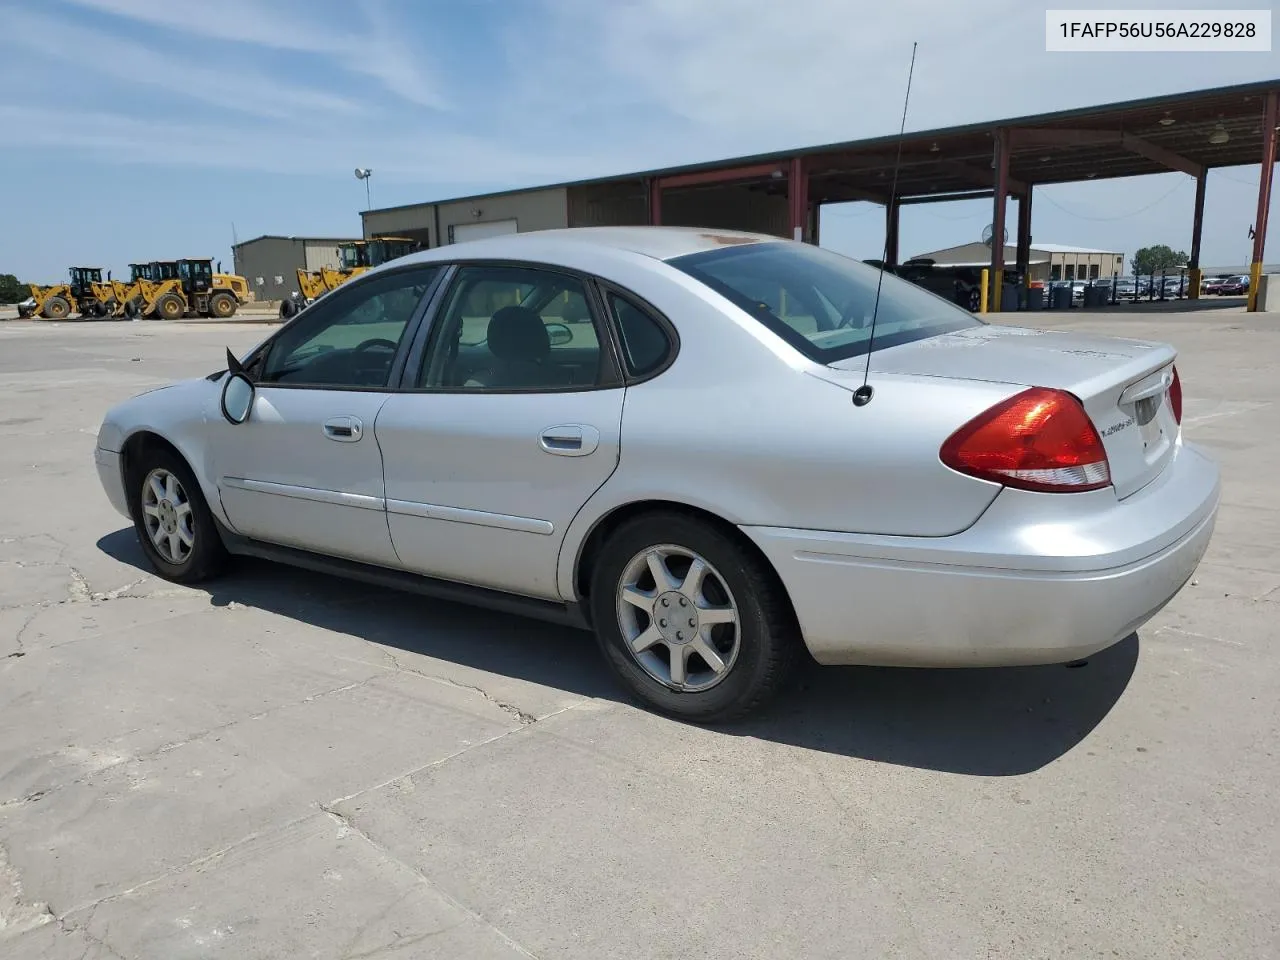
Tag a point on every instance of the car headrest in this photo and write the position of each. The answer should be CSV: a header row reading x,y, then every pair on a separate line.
x,y
517,333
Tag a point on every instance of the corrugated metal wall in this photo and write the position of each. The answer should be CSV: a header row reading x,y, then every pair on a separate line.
x,y
726,207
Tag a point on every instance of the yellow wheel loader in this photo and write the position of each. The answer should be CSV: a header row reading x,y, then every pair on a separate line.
x,y
85,295
191,288
128,296
355,257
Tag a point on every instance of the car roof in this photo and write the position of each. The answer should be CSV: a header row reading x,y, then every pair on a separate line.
x,y
660,243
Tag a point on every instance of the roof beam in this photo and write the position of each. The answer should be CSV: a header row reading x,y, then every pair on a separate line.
x,y
980,176
758,171
1033,137
947,197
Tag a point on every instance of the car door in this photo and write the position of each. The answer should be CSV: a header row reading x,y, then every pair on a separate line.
x,y
508,425
304,469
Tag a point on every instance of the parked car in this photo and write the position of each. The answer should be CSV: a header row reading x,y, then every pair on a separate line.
x,y
1234,287
756,446
1214,284
960,285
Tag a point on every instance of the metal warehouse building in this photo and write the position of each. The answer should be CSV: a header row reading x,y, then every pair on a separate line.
x,y
781,193
1045,261
271,264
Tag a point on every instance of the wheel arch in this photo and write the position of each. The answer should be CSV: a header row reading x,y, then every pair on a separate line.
x,y
599,532
135,447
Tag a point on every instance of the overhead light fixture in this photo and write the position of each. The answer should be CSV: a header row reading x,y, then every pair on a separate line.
x,y
1045,159
1092,175
935,148
1219,135
1167,121
776,175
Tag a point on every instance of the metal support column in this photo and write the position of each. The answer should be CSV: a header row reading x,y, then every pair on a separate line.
x,y
997,219
1197,227
655,202
798,200
1024,237
892,219
1269,121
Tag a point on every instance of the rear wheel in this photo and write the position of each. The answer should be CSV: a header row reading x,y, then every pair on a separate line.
x,y
692,623
287,308
56,308
222,305
172,519
169,307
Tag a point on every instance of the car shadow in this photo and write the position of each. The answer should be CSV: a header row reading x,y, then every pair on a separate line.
x,y
984,722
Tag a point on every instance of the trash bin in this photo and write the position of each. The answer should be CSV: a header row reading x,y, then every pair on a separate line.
x,y
1035,298
1009,297
1060,299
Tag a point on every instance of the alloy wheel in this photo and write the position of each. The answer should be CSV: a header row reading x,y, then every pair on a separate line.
x,y
678,618
166,512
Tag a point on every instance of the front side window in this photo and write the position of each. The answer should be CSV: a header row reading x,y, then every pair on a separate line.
x,y
513,328
820,302
350,337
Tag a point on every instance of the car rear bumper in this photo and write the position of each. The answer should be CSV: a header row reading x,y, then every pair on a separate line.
x,y
108,464
1039,578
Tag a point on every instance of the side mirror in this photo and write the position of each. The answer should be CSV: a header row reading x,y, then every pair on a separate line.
x,y
559,334
237,391
237,398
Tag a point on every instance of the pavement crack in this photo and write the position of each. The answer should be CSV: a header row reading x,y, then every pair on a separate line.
x,y
346,822
17,914
509,708
93,940
185,741
79,588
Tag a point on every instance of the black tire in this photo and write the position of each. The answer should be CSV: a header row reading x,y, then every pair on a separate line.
x,y
222,305
974,300
131,308
768,637
208,556
56,308
169,307
287,308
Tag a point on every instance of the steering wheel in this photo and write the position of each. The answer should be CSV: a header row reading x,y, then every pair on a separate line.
x,y
376,343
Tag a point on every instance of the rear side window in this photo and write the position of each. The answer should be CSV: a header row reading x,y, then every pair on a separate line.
x,y
645,344
821,302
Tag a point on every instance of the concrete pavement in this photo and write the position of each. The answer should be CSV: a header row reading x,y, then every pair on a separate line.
x,y
287,765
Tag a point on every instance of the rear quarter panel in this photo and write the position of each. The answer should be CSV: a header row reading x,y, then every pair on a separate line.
x,y
740,426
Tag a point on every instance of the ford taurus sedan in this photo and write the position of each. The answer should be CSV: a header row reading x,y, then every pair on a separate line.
x,y
715,450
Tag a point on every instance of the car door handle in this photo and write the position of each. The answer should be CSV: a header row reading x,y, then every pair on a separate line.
x,y
570,440
344,429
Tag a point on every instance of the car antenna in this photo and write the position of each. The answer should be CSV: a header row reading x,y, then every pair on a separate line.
x,y
862,396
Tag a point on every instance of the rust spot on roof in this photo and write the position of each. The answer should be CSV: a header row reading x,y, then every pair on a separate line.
x,y
727,240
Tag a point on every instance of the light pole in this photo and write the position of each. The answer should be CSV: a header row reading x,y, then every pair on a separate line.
x,y
364,173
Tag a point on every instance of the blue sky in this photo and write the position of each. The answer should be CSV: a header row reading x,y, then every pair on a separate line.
x,y
147,129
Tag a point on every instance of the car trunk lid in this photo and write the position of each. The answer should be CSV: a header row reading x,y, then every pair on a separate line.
x,y
1123,384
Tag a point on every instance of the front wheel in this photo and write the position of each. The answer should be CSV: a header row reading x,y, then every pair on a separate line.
x,y
222,305
691,622
169,307
56,308
172,519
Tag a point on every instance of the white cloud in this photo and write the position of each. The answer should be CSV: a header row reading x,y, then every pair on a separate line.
x,y
332,31
193,75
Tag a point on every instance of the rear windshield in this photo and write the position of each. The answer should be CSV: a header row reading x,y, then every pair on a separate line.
x,y
821,302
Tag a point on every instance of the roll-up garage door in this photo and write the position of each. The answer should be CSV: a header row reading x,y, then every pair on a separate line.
x,y
462,232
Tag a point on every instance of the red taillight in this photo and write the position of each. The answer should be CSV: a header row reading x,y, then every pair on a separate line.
x,y
1175,396
1040,439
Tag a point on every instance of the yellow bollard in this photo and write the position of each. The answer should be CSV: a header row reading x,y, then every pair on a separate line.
x,y
986,286
1255,277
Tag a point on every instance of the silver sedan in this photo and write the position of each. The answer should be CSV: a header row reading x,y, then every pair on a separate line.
x,y
713,449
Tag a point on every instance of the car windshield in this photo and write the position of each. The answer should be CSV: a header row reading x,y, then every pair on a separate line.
x,y
821,302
